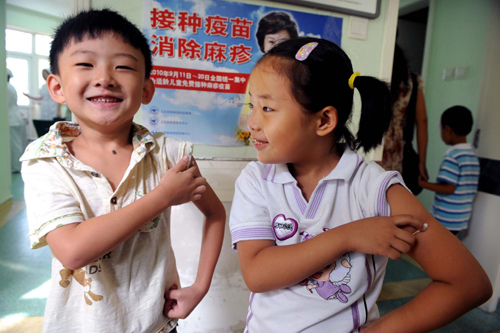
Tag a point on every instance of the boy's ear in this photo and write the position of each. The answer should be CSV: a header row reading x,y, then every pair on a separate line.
x,y
55,88
148,91
327,121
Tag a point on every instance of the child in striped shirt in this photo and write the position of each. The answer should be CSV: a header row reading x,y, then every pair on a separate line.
x,y
458,175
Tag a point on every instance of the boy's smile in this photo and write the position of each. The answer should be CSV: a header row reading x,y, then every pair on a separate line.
x,y
102,80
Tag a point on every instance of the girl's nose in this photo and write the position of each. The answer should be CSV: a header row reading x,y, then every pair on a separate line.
x,y
253,121
104,78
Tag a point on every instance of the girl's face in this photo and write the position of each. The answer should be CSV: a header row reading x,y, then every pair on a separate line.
x,y
281,131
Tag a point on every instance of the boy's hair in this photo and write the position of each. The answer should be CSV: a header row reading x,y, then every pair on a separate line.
x,y
459,118
322,80
272,23
94,24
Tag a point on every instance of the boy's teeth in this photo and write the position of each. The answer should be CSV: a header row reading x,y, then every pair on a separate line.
x,y
104,100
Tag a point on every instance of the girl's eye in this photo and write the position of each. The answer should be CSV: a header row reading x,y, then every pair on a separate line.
x,y
84,64
250,105
124,67
266,109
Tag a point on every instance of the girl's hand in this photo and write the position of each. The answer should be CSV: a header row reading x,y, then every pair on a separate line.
x,y
383,236
179,303
181,185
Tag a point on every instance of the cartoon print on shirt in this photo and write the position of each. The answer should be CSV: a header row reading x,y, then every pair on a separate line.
x,y
79,276
332,281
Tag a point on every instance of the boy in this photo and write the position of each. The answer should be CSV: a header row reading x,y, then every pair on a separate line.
x,y
113,267
458,175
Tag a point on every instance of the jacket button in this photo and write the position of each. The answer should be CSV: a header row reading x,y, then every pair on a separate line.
x,y
113,200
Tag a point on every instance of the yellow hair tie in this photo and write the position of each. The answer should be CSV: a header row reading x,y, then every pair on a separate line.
x,y
351,79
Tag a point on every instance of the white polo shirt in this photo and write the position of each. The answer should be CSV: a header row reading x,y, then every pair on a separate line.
x,y
268,204
124,290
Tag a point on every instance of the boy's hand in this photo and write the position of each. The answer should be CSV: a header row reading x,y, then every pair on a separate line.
x,y
179,303
182,185
383,236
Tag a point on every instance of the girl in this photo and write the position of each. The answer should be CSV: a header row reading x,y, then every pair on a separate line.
x,y
309,266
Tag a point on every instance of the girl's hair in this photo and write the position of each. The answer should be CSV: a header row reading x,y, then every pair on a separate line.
x,y
272,23
322,79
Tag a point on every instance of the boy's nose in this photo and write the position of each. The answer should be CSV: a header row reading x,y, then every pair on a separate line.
x,y
104,78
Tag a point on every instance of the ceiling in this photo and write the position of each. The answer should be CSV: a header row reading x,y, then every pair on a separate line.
x,y
59,8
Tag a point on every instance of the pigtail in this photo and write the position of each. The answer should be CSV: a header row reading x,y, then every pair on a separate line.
x,y
376,111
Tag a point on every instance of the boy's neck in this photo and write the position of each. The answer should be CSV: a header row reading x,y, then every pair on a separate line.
x,y
118,137
457,139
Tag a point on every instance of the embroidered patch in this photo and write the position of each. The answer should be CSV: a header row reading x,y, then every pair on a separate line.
x,y
283,227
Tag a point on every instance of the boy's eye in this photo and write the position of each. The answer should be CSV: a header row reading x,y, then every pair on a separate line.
x,y
84,64
266,109
124,67
250,105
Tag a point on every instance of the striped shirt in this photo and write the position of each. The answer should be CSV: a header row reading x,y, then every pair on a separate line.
x,y
460,167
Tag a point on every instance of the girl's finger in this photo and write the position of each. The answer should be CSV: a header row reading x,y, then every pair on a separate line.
x,y
404,220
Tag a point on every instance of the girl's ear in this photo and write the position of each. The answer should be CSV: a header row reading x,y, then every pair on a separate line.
x,y
148,91
327,121
55,88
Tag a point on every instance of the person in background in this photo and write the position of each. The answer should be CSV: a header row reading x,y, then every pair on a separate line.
x,y
458,175
17,126
49,109
272,29
401,93
313,222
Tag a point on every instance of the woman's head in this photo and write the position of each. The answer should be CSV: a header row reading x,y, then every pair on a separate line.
x,y
399,72
321,80
274,28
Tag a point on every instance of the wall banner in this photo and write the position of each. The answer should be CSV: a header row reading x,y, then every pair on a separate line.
x,y
203,53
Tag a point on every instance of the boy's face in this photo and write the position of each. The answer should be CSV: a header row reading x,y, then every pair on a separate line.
x,y
102,81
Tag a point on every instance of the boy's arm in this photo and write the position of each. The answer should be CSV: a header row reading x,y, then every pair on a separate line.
x,y
78,244
445,188
181,302
459,282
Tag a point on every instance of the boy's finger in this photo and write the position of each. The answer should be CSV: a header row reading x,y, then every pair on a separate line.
x,y
181,164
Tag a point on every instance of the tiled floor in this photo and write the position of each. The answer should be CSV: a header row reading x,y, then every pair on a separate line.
x,y
24,275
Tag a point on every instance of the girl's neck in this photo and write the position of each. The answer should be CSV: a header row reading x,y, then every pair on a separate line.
x,y
310,173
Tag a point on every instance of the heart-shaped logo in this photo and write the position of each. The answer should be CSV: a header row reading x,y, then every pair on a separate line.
x,y
284,228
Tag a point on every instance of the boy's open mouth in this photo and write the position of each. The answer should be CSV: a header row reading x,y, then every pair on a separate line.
x,y
104,100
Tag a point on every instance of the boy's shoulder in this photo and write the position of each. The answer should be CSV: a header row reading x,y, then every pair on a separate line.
x,y
464,150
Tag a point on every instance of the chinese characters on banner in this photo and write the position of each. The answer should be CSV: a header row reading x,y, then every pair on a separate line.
x,y
203,53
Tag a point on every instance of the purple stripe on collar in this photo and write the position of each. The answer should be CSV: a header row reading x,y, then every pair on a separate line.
x,y
274,174
355,315
269,167
318,196
298,197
